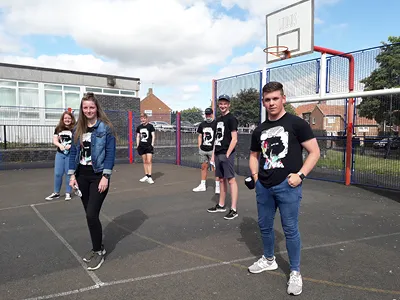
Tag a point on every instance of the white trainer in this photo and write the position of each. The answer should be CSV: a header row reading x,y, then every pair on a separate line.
x,y
150,180
67,196
200,188
295,284
262,265
144,179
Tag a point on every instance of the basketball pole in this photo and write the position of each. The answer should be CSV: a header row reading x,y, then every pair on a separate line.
x,y
350,106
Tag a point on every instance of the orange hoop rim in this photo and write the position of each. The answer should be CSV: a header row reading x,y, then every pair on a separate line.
x,y
279,50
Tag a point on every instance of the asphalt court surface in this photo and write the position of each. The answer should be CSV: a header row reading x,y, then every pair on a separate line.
x,y
162,243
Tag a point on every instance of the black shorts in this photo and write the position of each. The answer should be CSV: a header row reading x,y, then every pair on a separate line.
x,y
145,150
225,167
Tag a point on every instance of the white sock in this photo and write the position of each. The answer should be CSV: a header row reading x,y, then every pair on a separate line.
x,y
203,182
217,183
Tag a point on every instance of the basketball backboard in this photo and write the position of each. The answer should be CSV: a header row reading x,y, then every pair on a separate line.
x,y
291,27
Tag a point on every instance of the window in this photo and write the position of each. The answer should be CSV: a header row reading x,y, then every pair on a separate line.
x,y
148,112
28,97
313,120
28,85
131,93
94,90
108,91
330,120
7,83
72,88
53,87
306,117
72,100
8,97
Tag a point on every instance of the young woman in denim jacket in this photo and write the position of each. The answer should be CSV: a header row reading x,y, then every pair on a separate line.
x,y
62,139
90,166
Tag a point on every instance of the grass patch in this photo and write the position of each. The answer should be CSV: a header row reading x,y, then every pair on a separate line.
x,y
363,163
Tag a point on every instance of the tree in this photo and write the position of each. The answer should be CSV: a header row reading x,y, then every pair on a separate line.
x,y
245,106
193,115
290,109
386,76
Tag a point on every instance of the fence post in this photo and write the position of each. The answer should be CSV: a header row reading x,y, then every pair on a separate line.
x,y
130,136
5,136
178,138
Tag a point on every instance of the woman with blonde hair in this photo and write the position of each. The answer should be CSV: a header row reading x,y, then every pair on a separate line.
x,y
91,162
62,138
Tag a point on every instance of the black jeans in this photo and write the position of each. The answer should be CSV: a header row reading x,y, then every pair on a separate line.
x,y
92,200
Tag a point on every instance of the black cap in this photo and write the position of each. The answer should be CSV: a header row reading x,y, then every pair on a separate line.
x,y
224,97
208,111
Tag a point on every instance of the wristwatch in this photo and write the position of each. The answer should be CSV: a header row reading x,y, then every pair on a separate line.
x,y
302,176
107,176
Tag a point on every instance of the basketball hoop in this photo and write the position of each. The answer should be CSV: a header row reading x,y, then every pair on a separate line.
x,y
279,51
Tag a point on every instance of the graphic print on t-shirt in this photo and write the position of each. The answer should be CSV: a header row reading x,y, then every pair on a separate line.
x,y
86,152
274,147
220,133
144,135
65,138
208,136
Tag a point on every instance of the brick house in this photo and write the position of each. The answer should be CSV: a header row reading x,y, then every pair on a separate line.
x,y
156,109
332,119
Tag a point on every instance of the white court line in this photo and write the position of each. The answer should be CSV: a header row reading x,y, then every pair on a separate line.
x,y
93,287
111,283
92,275
30,205
165,274
326,245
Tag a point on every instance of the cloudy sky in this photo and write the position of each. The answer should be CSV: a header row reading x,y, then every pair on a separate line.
x,y
175,46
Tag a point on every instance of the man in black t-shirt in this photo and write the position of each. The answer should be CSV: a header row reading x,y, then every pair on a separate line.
x,y
145,137
277,167
205,140
224,154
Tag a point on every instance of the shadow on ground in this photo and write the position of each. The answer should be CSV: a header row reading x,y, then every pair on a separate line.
x,y
250,233
121,227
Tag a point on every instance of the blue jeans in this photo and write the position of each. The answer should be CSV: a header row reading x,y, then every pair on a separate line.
x,y
287,199
61,164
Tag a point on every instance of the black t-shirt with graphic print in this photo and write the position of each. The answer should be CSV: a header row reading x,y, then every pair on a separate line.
x,y
280,145
207,130
146,137
225,126
64,138
86,147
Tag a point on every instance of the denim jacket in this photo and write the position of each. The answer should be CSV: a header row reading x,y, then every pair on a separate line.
x,y
103,147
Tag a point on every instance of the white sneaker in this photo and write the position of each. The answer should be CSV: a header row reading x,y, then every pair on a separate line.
x,y
262,265
144,179
217,189
150,180
295,284
200,188
67,196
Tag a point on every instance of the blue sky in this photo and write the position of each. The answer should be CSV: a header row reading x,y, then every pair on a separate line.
x,y
175,46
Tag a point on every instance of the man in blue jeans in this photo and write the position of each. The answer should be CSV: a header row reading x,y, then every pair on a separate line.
x,y
277,167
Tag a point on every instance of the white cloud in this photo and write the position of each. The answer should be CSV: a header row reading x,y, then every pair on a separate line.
x,y
191,88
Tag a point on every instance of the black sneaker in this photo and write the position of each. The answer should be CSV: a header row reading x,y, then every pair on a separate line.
x,y
217,208
88,256
96,261
231,215
52,196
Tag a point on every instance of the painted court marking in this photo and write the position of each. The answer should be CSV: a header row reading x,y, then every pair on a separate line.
x,y
92,275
